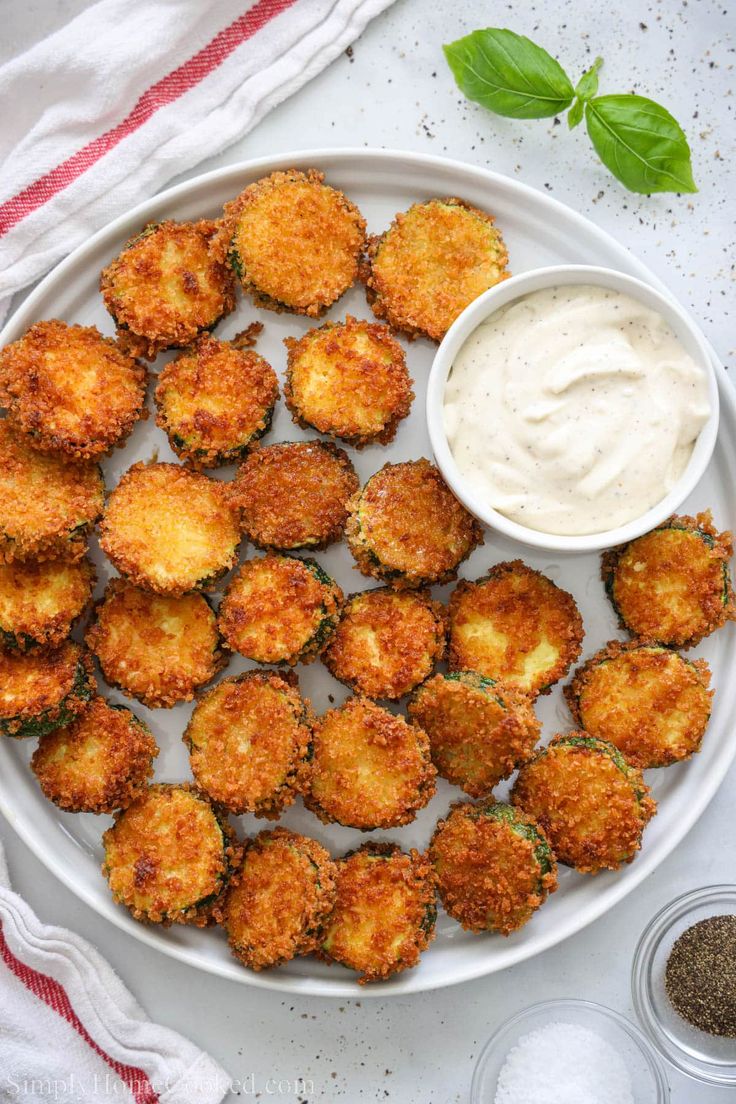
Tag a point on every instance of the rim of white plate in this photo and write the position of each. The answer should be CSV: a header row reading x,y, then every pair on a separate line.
x,y
411,981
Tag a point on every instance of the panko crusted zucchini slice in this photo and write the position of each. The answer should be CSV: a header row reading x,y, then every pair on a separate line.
x,y
279,900
407,527
673,585
167,286
386,642
370,769
293,241
433,260
349,380
494,866
48,504
154,647
170,855
98,763
514,624
294,495
170,530
44,690
215,401
279,609
650,702
480,730
385,912
591,803
39,602
71,390
249,742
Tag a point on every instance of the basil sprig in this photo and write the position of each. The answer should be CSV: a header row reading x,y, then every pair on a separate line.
x,y
636,139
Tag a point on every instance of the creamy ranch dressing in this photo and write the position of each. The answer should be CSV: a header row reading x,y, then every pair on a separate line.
x,y
574,409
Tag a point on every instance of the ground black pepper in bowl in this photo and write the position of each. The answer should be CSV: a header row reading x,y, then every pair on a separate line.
x,y
700,976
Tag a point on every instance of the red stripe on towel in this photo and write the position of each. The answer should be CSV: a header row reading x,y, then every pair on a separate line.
x,y
55,996
164,92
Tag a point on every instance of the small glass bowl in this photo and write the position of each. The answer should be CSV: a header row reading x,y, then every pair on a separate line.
x,y
708,1058
648,1081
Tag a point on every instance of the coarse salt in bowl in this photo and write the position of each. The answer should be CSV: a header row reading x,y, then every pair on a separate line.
x,y
511,290
631,1052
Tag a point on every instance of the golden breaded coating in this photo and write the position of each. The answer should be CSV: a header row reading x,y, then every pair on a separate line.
x,y
494,866
39,602
433,261
279,901
249,741
294,495
514,624
44,690
98,763
407,527
170,855
385,912
167,286
591,803
647,700
279,609
480,730
215,401
47,503
155,647
370,769
71,390
293,241
169,529
348,379
387,642
673,585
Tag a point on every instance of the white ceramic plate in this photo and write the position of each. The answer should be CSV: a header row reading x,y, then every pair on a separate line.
x,y
538,231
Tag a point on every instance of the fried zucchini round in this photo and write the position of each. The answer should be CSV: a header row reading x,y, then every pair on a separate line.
x,y
480,730
280,899
433,260
647,700
294,495
48,504
154,647
494,866
293,241
370,769
280,609
98,763
348,379
387,642
44,690
385,912
170,855
71,390
39,602
591,803
215,401
406,526
673,585
167,286
249,741
514,624
169,529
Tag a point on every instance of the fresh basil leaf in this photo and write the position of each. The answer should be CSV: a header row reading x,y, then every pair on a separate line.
x,y
575,114
587,86
641,143
509,74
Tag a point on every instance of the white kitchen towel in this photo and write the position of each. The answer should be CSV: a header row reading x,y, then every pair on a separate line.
x,y
100,115
71,1031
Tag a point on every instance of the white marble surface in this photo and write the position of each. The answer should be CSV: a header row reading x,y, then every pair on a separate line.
x,y
396,91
